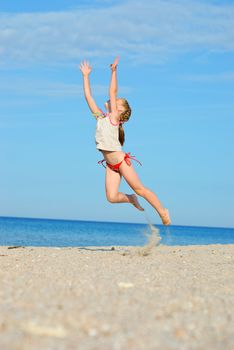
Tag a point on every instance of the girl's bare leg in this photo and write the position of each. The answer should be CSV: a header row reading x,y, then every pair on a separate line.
x,y
112,190
134,182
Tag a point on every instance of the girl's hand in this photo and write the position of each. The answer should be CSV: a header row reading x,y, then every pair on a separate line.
x,y
114,65
85,68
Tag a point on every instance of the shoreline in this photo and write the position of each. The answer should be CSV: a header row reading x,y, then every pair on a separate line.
x,y
93,298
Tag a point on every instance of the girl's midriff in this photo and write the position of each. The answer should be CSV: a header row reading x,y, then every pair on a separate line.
x,y
113,157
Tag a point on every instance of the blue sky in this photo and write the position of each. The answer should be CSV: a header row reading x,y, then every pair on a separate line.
x,y
177,71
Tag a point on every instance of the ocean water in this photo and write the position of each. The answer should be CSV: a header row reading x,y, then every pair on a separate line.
x,y
68,233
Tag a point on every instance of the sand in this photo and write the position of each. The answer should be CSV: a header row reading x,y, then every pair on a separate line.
x,y
103,298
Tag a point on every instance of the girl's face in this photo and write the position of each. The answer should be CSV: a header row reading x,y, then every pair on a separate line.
x,y
118,103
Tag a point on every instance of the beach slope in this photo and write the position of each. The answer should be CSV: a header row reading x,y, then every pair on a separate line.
x,y
120,298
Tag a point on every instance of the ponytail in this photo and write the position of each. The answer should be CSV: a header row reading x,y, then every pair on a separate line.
x,y
124,118
121,134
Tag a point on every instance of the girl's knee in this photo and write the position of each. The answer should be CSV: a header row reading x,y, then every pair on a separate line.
x,y
112,198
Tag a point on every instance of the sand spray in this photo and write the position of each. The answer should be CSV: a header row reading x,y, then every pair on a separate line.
x,y
153,236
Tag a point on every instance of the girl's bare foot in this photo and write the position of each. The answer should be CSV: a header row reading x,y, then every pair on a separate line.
x,y
166,217
133,199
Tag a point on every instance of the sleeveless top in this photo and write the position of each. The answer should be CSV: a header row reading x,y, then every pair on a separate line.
x,y
107,133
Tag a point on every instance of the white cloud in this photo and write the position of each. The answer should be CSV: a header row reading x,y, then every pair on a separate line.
x,y
148,31
22,87
8,123
225,77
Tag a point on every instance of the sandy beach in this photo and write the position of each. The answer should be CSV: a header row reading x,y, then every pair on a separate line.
x,y
117,298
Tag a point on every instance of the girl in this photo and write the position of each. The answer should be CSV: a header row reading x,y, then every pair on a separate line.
x,y
110,138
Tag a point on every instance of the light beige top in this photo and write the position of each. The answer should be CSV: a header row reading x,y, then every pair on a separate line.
x,y
107,133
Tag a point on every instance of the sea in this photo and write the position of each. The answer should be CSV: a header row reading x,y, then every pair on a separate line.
x,y
78,233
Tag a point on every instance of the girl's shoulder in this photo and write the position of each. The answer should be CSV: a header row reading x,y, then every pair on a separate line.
x,y
100,114
114,118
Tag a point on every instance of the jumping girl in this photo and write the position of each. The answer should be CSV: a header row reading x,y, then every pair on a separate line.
x,y
109,139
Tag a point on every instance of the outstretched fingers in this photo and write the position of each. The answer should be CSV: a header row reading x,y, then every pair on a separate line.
x,y
85,67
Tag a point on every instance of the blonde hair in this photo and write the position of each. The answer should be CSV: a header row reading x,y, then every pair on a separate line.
x,y
124,117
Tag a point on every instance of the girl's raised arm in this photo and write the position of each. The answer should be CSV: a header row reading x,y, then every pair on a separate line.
x,y
86,70
113,85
